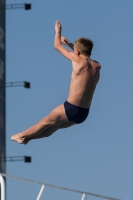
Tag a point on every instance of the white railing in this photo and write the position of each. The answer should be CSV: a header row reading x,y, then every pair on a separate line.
x,y
2,183
43,185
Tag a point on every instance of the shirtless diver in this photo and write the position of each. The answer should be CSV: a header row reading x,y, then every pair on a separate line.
x,y
84,78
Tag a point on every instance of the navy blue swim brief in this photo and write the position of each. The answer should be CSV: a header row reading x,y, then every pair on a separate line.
x,y
74,113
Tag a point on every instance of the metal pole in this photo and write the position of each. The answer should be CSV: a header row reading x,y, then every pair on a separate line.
x,y
2,183
83,197
40,193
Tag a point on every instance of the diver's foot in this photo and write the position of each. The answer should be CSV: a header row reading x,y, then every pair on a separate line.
x,y
18,138
26,141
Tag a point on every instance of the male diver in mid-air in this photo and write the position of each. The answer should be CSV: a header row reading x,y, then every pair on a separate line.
x,y
85,76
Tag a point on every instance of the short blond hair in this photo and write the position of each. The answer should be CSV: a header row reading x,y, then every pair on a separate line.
x,y
84,45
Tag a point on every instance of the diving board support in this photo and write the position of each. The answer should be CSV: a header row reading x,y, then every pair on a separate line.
x,y
40,193
83,197
2,184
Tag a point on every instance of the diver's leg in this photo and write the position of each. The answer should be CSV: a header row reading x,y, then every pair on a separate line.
x,y
56,117
49,131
